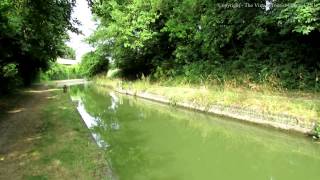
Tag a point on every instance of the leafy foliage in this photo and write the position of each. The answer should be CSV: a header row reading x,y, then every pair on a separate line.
x,y
317,131
32,33
60,72
202,39
68,53
94,63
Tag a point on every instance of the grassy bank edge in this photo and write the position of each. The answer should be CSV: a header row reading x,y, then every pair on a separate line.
x,y
290,113
69,151
62,146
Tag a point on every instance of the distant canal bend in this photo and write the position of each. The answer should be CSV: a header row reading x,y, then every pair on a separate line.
x,y
146,140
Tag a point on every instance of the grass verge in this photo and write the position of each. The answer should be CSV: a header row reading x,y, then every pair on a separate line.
x,y
66,149
303,105
59,147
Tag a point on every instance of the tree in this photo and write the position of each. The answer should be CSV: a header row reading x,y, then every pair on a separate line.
x,y
68,53
204,38
31,34
94,62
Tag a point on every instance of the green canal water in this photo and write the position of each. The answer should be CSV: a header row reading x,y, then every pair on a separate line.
x,y
145,140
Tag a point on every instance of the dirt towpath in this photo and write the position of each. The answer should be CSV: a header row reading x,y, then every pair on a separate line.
x,y
42,136
20,124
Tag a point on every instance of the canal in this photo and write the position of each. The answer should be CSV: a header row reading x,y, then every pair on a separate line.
x,y
146,140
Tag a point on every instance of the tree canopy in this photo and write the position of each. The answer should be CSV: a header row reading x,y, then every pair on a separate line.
x,y
213,39
32,33
194,39
67,52
94,62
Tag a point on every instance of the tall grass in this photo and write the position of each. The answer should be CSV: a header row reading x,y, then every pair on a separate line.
x,y
264,98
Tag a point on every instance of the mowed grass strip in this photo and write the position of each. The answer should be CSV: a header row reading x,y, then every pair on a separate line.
x,y
66,149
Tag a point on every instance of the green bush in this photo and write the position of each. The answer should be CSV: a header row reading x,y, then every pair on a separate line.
x,y
59,72
9,78
32,33
94,63
317,131
199,40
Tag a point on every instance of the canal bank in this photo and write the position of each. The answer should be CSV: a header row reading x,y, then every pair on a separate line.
x,y
301,117
43,137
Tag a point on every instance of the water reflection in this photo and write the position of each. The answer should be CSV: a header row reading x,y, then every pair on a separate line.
x,y
91,122
148,140
114,101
